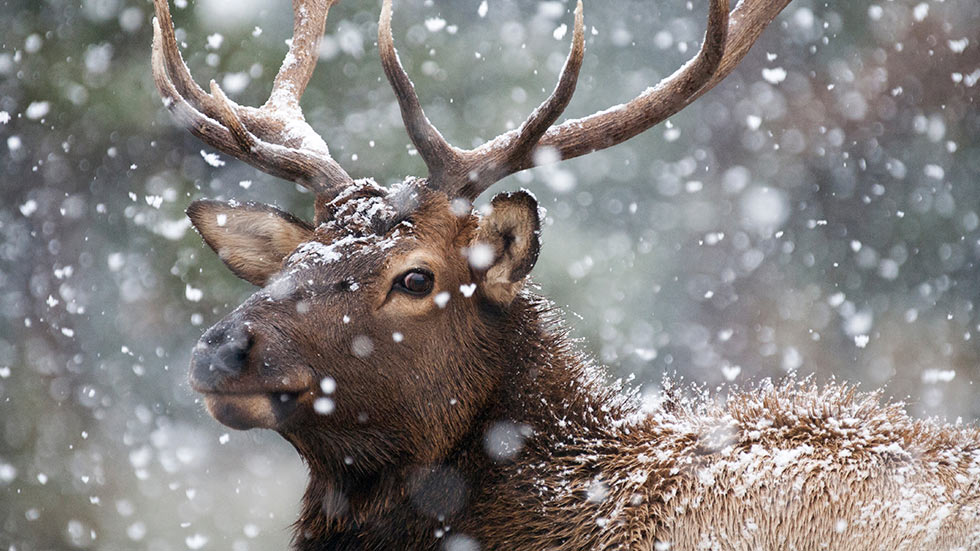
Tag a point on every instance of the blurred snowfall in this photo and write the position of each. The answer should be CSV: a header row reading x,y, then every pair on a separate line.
x,y
819,212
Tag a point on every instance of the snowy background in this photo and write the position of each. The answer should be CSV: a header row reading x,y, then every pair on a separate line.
x,y
819,212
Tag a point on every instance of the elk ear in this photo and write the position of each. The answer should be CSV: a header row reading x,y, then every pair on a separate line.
x,y
511,232
251,238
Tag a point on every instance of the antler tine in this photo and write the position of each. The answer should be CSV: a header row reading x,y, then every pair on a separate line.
x,y
309,21
467,173
494,160
438,154
747,23
190,116
179,75
275,138
605,129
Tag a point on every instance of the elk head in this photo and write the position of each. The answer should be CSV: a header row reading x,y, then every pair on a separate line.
x,y
379,329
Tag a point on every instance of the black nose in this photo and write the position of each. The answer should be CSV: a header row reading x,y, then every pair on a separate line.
x,y
222,352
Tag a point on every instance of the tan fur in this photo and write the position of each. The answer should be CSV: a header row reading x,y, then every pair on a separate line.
x,y
246,410
789,467
250,239
511,229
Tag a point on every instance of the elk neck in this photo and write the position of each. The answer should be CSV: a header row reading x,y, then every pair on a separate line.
x,y
547,394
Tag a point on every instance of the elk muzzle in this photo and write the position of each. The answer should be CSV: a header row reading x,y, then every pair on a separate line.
x,y
234,393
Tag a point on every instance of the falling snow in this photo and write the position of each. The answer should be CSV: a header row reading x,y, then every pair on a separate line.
x,y
816,213
774,75
323,405
37,110
215,40
435,24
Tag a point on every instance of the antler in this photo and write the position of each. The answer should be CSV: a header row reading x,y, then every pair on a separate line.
x,y
274,138
450,164
467,174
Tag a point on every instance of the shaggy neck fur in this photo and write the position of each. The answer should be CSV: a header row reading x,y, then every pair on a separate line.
x,y
546,393
790,466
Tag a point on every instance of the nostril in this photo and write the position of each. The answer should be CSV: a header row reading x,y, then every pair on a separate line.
x,y
232,355
224,348
230,358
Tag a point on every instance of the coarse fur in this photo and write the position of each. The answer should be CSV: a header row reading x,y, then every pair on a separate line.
x,y
482,425
792,466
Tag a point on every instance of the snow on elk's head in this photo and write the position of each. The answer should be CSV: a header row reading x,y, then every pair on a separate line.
x,y
371,330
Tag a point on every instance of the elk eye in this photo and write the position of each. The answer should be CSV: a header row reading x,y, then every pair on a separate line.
x,y
415,282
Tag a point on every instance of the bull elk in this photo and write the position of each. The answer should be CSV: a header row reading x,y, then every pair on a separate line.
x,y
438,402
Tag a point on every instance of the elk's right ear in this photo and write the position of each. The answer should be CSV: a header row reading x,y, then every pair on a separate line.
x,y
251,238
511,232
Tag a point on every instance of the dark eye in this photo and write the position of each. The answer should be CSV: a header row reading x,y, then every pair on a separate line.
x,y
415,282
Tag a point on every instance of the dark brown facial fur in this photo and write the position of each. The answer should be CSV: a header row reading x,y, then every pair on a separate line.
x,y
332,317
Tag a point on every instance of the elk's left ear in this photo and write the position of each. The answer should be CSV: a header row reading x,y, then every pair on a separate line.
x,y
511,231
251,238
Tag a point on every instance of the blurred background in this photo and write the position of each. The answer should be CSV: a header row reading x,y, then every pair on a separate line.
x,y
817,213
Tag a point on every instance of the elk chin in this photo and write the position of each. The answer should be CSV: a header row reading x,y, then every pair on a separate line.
x,y
264,410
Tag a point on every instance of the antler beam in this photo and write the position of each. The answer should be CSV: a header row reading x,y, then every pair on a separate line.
x,y
717,58
274,138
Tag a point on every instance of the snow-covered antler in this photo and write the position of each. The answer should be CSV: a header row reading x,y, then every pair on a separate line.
x,y
274,138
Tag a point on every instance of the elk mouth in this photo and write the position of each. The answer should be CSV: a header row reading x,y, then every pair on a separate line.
x,y
252,410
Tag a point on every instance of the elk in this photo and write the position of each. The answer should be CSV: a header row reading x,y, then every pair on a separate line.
x,y
437,401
